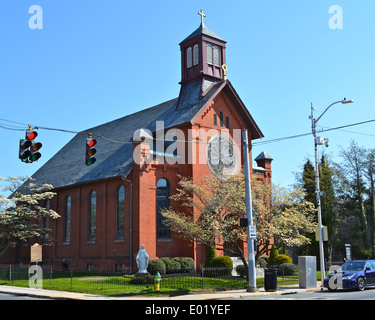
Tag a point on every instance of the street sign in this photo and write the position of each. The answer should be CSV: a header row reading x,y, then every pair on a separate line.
x,y
325,233
252,231
36,253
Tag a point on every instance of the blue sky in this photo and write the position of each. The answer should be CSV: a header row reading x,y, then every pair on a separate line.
x,y
95,61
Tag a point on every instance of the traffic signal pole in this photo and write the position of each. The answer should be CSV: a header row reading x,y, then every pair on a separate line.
x,y
249,215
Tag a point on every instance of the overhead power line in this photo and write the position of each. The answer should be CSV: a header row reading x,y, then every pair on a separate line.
x,y
306,134
18,128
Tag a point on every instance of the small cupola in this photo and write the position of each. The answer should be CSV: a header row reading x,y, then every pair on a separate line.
x,y
202,55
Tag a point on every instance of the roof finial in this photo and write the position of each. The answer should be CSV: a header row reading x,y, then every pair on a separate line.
x,y
202,16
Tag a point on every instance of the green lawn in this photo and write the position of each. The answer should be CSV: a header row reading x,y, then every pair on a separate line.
x,y
121,285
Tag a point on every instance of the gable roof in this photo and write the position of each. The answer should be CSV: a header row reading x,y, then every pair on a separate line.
x,y
114,155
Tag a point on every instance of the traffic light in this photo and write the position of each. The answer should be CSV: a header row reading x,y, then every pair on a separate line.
x,y
29,149
90,151
24,152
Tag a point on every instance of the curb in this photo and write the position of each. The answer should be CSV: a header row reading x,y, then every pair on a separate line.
x,y
66,295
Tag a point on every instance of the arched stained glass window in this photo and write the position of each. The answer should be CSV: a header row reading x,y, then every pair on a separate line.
x,y
162,201
120,213
67,218
92,217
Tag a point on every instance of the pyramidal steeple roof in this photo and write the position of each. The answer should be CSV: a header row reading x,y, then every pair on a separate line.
x,y
203,30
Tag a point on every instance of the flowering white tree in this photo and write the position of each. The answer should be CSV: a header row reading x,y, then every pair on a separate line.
x,y
219,205
22,213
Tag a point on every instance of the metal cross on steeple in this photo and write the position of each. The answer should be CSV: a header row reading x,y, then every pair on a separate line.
x,y
202,16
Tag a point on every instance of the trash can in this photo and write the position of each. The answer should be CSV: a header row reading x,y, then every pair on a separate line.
x,y
270,279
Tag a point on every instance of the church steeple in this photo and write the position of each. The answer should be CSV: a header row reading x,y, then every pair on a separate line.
x,y
202,55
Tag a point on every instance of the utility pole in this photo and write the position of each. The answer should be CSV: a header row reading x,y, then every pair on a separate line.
x,y
251,228
320,141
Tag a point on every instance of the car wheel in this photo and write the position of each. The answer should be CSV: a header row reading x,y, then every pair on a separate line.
x,y
361,284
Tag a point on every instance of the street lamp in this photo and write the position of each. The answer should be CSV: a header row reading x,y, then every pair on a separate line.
x,y
320,141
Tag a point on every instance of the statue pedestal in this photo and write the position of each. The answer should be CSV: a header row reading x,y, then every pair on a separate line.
x,y
139,274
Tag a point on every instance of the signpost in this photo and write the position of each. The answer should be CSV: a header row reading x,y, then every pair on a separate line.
x,y
36,253
35,271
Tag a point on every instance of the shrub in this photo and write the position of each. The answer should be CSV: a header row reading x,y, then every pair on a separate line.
x,y
287,269
187,264
282,258
221,265
241,270
273,254
171,265
365,254
155,266
223,262
146,279
211,256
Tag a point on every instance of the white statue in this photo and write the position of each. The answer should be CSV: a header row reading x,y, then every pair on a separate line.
x,y
142,260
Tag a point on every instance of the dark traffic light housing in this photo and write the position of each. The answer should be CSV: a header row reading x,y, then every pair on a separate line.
x,y
29,149
90,151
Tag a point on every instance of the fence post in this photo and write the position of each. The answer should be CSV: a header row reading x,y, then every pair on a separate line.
x,y
202,278
50,277
10,273
71,278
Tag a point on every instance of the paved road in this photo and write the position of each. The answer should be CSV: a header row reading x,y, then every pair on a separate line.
x,y
368,294
4,296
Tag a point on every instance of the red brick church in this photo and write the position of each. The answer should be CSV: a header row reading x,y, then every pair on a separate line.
x,y
109,209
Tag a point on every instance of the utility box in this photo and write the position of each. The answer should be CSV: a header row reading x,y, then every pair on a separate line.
x,y
307,272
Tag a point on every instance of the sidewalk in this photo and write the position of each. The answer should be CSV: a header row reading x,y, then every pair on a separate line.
x,y
65,295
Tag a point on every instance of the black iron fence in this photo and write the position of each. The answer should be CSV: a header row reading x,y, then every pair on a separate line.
x,y
90,281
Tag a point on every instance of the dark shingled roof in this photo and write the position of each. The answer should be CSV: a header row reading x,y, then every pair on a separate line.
x,y
114,155
203,30
263,156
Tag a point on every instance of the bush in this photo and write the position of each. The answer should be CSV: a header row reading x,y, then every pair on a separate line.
x,y
222,265
281,259
241,270
171,265
273,254
155,266
187,264
211,256
365,254
146,279
287,269
223,262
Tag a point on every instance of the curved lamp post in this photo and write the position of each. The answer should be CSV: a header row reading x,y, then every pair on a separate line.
x,y
320,141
